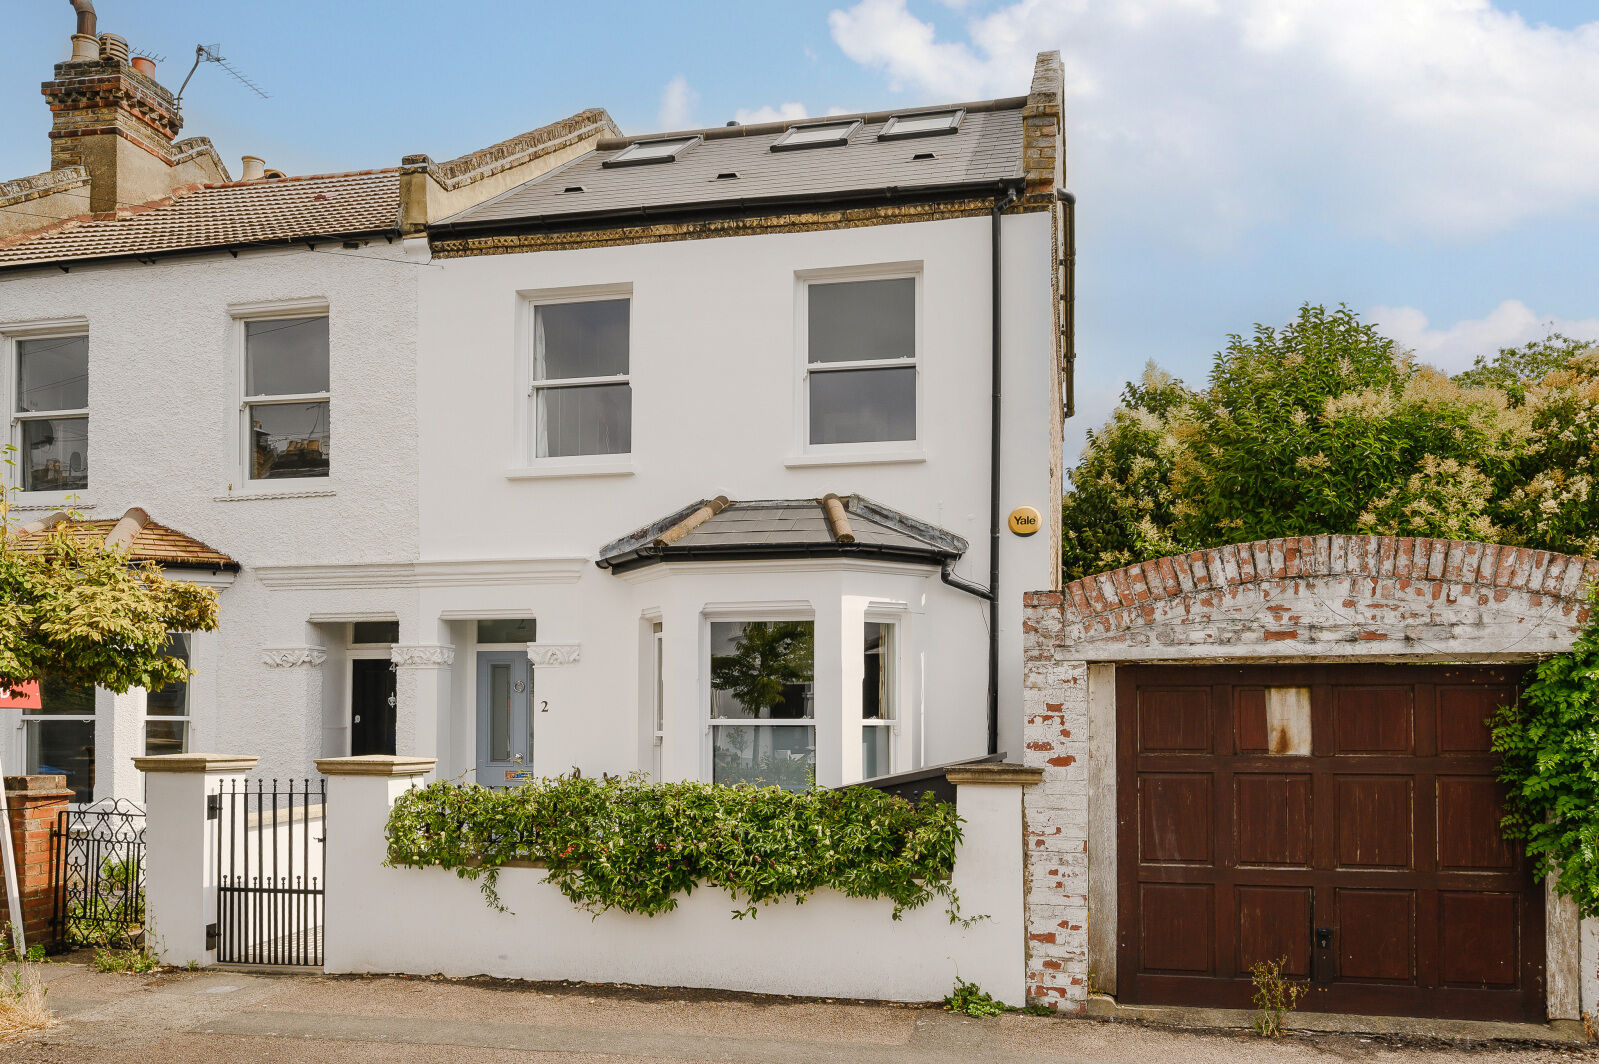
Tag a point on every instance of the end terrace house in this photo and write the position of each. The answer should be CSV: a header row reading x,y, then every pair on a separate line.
x,y
664,453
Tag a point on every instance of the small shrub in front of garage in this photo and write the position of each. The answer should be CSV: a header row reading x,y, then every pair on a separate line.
x,y
1550,745
637,846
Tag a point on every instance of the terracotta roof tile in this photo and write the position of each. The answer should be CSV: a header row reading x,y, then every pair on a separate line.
x,y
214,216
153,543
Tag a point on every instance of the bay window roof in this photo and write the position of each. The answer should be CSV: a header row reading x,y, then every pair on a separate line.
x,y
145,540
722,529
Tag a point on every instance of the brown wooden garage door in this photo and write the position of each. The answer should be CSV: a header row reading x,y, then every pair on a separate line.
x,y
1365,850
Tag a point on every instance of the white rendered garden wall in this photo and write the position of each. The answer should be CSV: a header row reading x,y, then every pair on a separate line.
x,y
431,922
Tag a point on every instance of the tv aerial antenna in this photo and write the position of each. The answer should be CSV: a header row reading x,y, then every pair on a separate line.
x,y
212,53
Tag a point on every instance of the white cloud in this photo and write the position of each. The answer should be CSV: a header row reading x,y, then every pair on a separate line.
x,y
678,100
1510,324
783,112
1205,117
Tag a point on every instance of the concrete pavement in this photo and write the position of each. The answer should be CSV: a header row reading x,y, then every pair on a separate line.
x,y
236,1016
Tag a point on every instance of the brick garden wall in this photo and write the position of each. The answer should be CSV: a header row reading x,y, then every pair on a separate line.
x,y
1322,598
34,803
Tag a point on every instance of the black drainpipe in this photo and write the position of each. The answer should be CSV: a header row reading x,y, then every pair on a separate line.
x,y
994,426
991,593
1068,298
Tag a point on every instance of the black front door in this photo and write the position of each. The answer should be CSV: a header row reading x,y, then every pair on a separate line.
x,y
371,707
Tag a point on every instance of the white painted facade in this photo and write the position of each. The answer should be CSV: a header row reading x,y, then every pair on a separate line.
x,y
165,368
434,517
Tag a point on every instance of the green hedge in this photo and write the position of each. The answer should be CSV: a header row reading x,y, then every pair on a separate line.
x,y
636,846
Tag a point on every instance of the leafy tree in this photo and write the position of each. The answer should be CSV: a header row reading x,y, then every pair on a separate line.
x,y
1548,743
73,612
1548,493
1120,508
1325,425
1515,369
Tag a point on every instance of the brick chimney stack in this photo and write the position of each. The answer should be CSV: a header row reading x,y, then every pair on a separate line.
x,y
119,124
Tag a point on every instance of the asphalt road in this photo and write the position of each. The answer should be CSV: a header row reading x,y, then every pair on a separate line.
x,y
177,1017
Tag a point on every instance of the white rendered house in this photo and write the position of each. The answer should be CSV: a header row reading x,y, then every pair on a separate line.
x,y
574,453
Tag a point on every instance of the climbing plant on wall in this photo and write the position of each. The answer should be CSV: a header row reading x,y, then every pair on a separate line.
x,y
637,846
1550,745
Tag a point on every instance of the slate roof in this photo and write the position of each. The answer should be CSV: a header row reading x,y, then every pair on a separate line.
x,y
219,216
984,151
153,542
784,528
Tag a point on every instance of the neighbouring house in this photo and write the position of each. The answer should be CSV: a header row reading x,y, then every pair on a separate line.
x,y
667,453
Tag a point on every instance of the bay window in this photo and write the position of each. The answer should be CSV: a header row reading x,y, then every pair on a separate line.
x,y
59,735
166,710
51,413
879,712
762,708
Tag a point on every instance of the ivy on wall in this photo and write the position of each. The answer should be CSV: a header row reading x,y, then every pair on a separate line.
x,y
1550,745
637,846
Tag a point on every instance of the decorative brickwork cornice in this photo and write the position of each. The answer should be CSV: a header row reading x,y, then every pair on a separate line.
x,y
92,94
792,222
475,166
1320,596
39,185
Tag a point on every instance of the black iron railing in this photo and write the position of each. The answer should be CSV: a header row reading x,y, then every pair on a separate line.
x,y
269,844
99,874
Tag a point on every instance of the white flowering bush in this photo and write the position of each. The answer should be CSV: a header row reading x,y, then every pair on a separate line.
x,y
1325,425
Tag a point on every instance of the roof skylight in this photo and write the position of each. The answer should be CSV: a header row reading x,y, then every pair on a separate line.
x,y
819,135
923,124
652,151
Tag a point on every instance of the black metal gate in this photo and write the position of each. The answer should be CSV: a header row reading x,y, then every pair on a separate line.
x,y
269,846
99,874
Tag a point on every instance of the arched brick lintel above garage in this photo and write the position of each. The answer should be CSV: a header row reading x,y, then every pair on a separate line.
x,y
1327,597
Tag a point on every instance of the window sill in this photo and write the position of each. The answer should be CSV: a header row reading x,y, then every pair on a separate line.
x,y
259,496
898,455
47,502
621,466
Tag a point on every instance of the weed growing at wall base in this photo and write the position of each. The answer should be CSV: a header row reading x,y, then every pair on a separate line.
x,y
637,846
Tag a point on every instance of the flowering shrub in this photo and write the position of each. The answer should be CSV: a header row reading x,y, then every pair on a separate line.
x,y
636,846
1327,426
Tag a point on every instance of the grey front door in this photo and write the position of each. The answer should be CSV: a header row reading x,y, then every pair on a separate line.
x,y
504,718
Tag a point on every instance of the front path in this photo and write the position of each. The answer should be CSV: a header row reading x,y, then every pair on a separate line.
x,y
233,1016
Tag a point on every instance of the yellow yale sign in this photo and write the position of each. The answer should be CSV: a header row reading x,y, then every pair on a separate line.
x,y
1024,521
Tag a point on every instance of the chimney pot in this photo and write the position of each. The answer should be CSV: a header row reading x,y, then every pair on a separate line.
x,y
254,168
84,47
144,65
113,47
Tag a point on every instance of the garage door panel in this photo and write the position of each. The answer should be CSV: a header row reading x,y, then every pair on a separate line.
x,y
1376,935
1374,720
1174,720
1176,818
1463,712
1247,838
1478,939
1469,809
1375,818
1273,924
1272,819
1178,927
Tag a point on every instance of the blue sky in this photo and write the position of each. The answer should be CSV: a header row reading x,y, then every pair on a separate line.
x,y
1433,163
